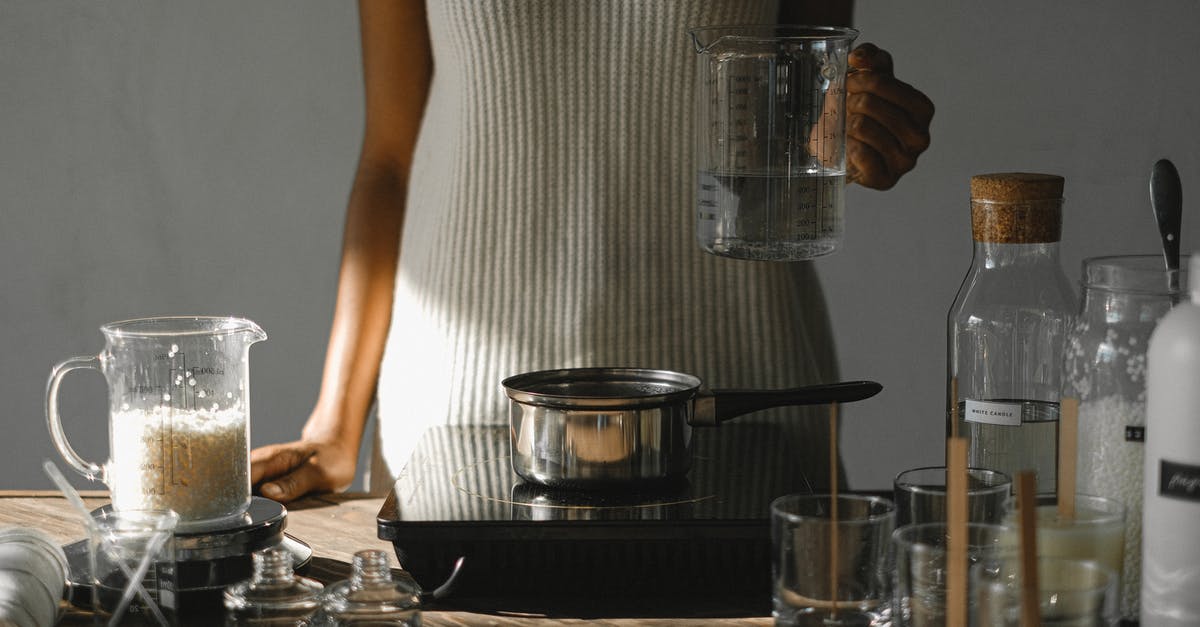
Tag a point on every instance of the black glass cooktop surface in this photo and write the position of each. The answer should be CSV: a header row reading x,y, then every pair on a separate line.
x,y
458,496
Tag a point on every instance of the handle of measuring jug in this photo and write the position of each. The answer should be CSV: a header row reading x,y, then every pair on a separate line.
x,y
88,469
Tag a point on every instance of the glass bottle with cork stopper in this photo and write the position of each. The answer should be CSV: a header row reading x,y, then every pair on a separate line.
x,y
1007,328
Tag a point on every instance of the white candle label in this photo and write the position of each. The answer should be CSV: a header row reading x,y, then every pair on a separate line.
x,y
992,413
1179,481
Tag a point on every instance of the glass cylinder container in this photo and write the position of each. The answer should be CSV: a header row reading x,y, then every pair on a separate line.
x,y
1007,328
371,596
274,596
1124,297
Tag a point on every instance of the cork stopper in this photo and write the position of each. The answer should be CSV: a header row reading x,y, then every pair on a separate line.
x,y
1016,208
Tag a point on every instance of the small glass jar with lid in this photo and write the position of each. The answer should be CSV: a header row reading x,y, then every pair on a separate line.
x,y
274,596
371,596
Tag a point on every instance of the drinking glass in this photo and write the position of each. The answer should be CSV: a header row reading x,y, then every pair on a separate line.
x,y
830,567
1071,593
1096,531
920,495
131,556
921,575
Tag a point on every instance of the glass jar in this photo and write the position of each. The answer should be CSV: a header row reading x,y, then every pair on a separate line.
x,y
274,595
1123,299
371,596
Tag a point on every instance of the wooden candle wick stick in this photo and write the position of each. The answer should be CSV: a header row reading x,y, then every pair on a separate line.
x,y
954,407
1068,454
1027,510
833,509
956,530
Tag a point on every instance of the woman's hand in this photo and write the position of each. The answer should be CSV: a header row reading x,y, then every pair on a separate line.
x,y
286,472
887,120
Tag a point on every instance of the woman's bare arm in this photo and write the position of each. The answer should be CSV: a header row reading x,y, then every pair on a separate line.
x,y
397,69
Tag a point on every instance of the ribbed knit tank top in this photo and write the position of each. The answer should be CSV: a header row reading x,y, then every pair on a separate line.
x,y
550,220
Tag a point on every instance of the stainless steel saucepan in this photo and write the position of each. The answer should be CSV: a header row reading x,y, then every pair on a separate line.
x,y
593,428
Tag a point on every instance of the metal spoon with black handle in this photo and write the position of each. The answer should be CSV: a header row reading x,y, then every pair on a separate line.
x,y
1166,198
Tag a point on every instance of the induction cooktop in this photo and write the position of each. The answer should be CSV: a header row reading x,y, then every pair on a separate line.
x,y
702,537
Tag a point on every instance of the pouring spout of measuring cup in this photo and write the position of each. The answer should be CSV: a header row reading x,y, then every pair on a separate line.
x,y
703,38
250,332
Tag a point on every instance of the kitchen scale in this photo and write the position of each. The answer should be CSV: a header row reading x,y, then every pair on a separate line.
x,y
706,538
207,560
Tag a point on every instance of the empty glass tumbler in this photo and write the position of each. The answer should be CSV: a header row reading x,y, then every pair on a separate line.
x,y
920,495
131,559
922,573
829,559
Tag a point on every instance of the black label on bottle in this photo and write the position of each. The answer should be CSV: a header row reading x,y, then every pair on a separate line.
x,y
1179,481
1135,434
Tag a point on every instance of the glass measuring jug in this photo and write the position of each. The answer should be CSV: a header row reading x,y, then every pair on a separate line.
x,y
771,140
179,416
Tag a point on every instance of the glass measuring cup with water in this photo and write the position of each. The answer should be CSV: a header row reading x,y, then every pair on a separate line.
x,y
771,140
179,416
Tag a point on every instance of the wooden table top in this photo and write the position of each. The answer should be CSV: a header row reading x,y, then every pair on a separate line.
x,y
335,526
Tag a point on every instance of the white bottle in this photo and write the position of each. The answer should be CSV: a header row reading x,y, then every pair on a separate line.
x,y
1171,513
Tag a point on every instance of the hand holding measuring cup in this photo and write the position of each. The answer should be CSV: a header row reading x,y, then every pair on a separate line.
x,y
782,123
887,120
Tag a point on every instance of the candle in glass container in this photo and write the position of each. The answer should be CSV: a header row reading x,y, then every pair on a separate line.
x,y
1096,531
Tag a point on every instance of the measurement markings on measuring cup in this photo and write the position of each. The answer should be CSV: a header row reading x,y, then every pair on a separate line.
x,y
181,460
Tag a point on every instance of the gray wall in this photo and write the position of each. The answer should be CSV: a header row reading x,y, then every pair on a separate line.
x,y
162,158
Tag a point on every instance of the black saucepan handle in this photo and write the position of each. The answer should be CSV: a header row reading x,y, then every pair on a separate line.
x,y
728,404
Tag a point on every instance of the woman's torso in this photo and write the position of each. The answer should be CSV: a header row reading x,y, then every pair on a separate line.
x,y
550,218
